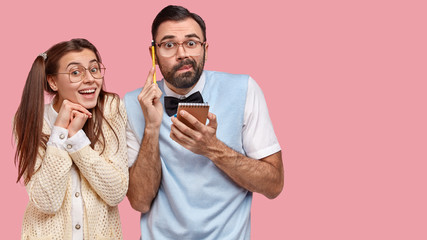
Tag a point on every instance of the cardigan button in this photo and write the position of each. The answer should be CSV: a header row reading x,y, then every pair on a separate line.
x,y
77,226
62,136
69,146
77,194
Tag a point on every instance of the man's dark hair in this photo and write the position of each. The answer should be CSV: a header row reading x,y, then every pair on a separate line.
x,y
176,13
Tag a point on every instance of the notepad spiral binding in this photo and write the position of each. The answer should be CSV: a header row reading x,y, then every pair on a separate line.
x,y
194,104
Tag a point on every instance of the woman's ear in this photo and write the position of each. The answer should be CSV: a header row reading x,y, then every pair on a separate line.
x,y
52,83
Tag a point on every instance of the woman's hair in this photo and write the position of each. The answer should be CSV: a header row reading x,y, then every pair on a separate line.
x,y
28,121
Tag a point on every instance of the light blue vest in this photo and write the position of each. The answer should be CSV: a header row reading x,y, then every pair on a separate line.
x,y
196,200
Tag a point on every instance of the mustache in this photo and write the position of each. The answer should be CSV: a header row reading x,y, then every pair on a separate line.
x,y
183,63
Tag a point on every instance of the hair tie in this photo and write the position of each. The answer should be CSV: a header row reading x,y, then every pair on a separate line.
x,y
44,55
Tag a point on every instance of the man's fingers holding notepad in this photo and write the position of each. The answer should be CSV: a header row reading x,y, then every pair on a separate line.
x,y
196,123
212,120
178,136
197,140
192,120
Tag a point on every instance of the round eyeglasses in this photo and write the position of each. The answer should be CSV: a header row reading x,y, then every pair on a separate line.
x,y
191,47
77,73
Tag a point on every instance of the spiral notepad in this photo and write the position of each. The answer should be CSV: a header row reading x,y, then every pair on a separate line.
x,y
198,110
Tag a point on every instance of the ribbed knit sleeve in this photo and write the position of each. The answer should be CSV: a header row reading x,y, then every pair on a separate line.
x,y
108,173
47,187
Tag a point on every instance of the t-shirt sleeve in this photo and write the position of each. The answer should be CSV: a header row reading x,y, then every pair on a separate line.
x,y
259,139
133,144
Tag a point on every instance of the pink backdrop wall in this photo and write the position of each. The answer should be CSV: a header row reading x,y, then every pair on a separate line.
x,y
345,82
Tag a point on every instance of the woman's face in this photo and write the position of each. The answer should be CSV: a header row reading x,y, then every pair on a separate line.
x,y
84,92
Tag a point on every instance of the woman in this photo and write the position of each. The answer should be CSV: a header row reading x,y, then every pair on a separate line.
x,y
71,153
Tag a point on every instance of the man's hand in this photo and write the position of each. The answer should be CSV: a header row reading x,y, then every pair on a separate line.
x,y
149,99
264,175
202,140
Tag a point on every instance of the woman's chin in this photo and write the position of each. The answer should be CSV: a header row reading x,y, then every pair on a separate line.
x,y
87,104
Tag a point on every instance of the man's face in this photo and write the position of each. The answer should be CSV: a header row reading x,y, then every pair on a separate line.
x,y
184,68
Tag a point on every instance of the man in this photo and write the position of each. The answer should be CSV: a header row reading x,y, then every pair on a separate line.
x,y
197,183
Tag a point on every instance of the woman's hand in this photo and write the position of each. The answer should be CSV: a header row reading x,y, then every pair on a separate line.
x,y
72,116
77,121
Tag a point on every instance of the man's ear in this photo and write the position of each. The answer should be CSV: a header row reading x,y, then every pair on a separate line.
x,y
52,83
206,51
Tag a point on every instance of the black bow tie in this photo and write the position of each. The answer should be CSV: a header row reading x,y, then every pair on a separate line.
x,y
171,103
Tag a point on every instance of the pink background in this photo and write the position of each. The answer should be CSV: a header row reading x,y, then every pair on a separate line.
x,y
345,82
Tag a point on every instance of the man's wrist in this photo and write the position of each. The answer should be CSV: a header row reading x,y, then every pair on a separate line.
x,y
216,150
152,131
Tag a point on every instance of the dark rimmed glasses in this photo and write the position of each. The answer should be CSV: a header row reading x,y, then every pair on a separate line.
x,y
191,47
77,73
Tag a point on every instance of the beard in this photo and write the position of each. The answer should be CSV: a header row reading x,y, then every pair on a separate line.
x,y
186,79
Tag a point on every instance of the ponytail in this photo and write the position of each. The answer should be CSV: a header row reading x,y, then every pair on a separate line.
x,y
28,121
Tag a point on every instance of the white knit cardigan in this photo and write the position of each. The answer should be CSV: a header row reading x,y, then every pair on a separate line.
x,y
104,183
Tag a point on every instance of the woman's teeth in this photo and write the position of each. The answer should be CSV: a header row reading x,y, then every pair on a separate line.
x,y
87,91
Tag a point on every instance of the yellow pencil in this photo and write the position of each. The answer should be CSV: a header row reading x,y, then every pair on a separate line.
x,y
154,60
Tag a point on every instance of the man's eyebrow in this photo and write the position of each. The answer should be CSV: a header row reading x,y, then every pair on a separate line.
x,y
191,35
167,37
